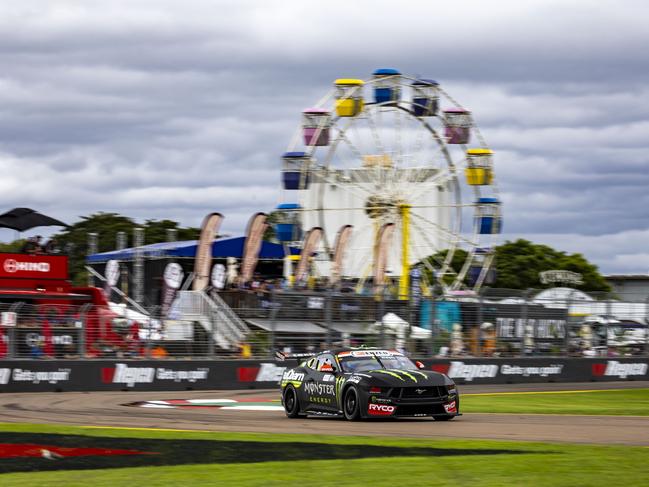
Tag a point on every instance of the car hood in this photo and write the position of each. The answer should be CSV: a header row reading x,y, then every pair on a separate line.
x,y
402,378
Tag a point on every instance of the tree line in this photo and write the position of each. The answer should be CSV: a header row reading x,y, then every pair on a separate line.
x,y
517,264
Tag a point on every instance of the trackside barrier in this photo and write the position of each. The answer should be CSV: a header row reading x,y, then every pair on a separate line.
x,y
178,375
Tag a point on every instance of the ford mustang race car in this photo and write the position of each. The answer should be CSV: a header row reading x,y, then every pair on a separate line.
x,y
366,383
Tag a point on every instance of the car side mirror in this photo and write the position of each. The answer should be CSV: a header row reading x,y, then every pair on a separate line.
x,y
420,365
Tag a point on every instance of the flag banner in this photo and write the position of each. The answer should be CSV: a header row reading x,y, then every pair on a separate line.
x,y
254,234
172,280
340,247
381,250
203,262
311,242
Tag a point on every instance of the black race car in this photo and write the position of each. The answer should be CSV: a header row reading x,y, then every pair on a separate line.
x,y
366,383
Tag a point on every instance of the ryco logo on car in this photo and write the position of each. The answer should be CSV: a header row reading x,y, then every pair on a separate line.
x,y
380,410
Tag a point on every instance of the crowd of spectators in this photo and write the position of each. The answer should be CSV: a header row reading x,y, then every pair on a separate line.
x,y
34,246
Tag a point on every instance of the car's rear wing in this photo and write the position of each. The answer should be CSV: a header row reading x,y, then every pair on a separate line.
x,y
283,356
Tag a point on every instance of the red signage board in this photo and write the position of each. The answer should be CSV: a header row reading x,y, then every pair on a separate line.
x,y
27,266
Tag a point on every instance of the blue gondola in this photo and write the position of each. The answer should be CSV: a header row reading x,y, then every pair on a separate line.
x,y
288,228
425,97
488,216
387,89
295,170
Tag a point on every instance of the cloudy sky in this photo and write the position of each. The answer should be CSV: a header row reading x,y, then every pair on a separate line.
x,y
168,109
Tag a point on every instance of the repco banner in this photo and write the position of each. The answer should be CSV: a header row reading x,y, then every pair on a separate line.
x,y
178,375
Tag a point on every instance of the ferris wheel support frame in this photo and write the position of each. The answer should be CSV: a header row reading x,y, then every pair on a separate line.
x,y
404,279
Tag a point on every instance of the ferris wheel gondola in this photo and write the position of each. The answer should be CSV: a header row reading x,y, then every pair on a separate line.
x,y
400,158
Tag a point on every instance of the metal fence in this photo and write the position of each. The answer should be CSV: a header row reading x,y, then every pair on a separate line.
x,y
255,324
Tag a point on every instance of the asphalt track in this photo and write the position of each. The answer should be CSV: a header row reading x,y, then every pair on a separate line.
x,y
111,409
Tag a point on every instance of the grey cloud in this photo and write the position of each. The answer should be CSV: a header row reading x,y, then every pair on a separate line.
x,y
165,109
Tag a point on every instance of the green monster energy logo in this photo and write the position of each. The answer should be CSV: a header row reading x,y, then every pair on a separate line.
x,y
296,383
395,373
389,372
339,385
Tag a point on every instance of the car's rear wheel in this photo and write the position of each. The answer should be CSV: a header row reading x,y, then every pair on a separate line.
x,y
351,406
291,402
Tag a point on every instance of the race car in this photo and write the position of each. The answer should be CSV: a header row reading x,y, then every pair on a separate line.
x,y
366,383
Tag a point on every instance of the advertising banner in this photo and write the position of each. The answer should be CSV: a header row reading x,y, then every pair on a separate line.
x,y
172,280
381,249
254,233
311,242
340,247
151,375
26,266
203,262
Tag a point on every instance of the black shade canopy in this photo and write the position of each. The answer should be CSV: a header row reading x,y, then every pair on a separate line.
x,y
22,219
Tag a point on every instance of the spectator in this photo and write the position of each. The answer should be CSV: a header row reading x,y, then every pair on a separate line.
x,y
32,245
52,246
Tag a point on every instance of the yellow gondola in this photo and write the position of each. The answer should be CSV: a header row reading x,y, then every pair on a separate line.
x,y
479,171
349,97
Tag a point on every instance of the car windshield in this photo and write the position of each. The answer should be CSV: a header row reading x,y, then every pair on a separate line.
x,y
363,362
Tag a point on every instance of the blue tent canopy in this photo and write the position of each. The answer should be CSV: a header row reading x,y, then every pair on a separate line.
x,y
221,248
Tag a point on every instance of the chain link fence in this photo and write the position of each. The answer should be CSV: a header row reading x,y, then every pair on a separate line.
x,y
496,323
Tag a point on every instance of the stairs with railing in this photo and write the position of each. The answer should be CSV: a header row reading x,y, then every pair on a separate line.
x,y
213,314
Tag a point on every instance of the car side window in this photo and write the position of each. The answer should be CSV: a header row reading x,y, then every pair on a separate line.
x,y
326,363
312,363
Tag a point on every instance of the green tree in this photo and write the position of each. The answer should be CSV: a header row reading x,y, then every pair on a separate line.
x,y
74,239
12,247
519,263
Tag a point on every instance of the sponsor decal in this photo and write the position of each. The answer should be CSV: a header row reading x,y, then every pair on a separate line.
x,y
292,375
328,378
451,407
180,375
36,377
12,266
543,371
320,389
613,368
468,372
321,400
380,409
380,400
354,379
123,374
370,353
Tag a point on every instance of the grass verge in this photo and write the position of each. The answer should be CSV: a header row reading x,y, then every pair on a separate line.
x,y
632,402
406,461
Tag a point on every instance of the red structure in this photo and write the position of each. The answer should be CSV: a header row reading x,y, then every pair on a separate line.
x,y
38,290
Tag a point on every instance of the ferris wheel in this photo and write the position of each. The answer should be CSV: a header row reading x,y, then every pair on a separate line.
x,y
406,171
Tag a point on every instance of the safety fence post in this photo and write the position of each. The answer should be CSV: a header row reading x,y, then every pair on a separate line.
x,y
328,320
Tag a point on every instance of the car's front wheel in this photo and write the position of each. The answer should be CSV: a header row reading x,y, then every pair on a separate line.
x,y
291,402
351,406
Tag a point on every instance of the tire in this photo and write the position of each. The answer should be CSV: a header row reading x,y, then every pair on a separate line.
x,y
291,402
351,405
